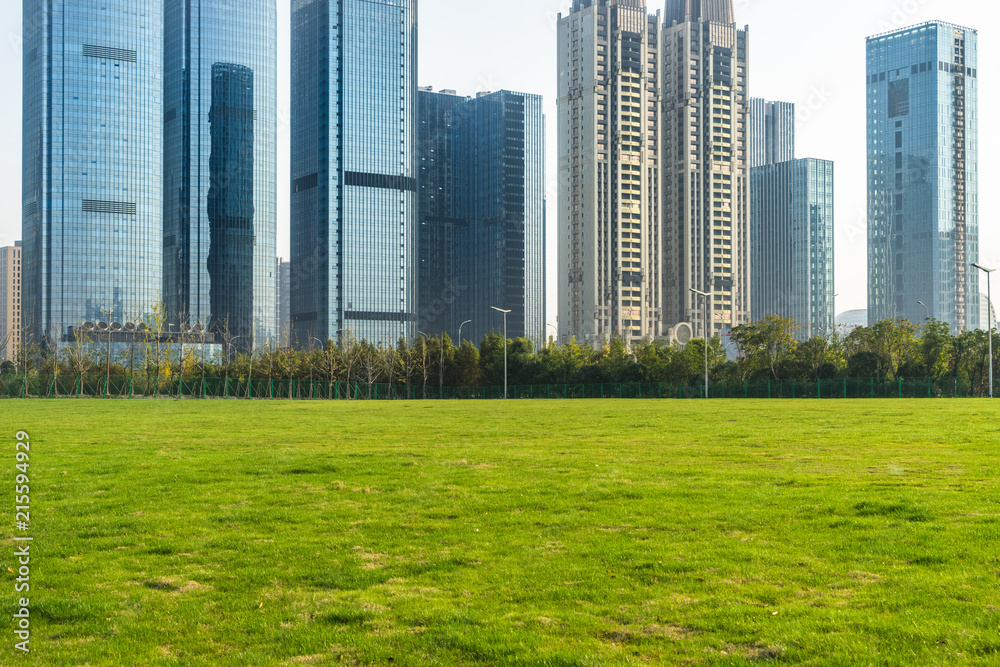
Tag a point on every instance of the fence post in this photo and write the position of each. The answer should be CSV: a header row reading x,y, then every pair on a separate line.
x,y
873,387
845,387
769,387
901,387
793,388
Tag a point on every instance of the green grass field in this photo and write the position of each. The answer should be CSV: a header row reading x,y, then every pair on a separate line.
x,y
563,533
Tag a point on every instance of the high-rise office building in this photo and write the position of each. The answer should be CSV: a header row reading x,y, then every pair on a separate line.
x,y
705,164
923,216
498,188
92,163
283,293
443,258
611,280
771,132
987,314
791,241
10,301
220,167
354,199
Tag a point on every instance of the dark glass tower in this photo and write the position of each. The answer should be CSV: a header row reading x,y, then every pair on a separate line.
x,y
92,165
923,175
219,175
354,179
443,278
498,186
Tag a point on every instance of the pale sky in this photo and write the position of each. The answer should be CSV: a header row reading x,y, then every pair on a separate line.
x,y
803,51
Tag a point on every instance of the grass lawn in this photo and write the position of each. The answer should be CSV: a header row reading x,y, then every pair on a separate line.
x,y
529,533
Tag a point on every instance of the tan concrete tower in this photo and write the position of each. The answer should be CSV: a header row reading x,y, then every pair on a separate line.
x,y
705,164
610,243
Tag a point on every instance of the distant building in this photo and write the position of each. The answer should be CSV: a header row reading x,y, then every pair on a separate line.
x,y
792,256
923,217
611,277
987,314
92,173
220,167
849,320
772,132
282,311
353,162
705,164
10,301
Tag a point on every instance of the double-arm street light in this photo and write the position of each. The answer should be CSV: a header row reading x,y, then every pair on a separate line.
x,y
989,318
501,310
705,303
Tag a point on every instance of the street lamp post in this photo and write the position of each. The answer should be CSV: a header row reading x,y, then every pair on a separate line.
x,y
927,313
501,310
460,331
705,296
554,329
989,318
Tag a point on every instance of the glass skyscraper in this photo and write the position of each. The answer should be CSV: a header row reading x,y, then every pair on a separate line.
x,y
791,244
354,198
219,175
498,187
923,213
443,257
92,162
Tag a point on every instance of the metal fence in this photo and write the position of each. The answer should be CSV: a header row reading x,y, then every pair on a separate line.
x,y
139,386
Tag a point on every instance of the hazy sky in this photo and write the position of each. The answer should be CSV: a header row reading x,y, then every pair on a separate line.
x,y
807,52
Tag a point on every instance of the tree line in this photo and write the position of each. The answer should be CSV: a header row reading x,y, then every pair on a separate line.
x,y
766,349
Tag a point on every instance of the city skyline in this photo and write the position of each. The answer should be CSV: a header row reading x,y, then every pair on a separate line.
x,y
822,80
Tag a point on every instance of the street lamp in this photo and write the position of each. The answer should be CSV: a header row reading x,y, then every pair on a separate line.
x,y
554,329
323,347
989,318
927,313
501,310
460,331
705,296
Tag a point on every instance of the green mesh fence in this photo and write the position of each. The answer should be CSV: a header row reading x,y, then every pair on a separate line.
x,y
284,389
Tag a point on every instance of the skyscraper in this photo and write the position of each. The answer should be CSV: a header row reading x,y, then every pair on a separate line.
x,y
354,199
791,241
10,301
923,217
443,264
92,162
498,188
220,167
610,236
705,163
771,132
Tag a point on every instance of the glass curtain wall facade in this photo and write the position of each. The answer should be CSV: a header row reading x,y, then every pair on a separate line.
x,y
92,163
705,153
923,207
354,180
443,278
498,186
610,234
792,247
772,132
220,167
